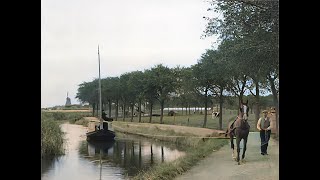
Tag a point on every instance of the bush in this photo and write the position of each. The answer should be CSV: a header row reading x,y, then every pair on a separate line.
x,y
59,116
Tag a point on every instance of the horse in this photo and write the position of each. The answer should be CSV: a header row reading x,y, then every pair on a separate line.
x,y
240,129
215,115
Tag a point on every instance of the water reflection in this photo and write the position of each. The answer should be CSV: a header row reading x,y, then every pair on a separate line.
x,y
119,159
47,163
130,155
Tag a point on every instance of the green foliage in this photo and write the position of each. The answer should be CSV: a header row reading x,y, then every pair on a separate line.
x,y
58,116
82,122
51,138
88,92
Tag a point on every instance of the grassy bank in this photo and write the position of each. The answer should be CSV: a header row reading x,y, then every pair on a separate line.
x,y
51,138
176,134
195,148
51,134
66,116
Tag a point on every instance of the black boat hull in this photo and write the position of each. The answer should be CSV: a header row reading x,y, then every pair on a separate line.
x,y
101,135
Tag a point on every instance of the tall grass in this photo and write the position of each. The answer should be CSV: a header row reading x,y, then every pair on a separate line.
x,y
51,135
82,122
51,138
64,115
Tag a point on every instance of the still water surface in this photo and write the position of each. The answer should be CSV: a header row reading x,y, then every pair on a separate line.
x,y
120,159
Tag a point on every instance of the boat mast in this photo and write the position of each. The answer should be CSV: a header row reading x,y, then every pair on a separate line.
x,y
100,102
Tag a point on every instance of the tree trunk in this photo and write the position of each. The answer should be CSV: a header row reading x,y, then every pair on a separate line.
x,y
220,109
182,109
97,109
240,98
132,109
257,105
161,114
117,109
276,104
139,104
124,112
205,108
150,113
93,108
109,103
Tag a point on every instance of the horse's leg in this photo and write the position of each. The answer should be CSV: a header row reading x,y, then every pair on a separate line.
x,y
238,139
232,146
244,147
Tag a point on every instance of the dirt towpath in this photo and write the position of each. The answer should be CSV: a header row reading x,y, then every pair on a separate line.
x,y
220,165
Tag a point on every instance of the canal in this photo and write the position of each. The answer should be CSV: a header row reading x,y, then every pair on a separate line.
x,y
120,159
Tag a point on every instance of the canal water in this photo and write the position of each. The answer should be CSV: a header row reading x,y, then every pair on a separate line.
x,y
120,159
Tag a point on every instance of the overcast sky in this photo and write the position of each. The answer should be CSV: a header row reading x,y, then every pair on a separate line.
x,y
132,35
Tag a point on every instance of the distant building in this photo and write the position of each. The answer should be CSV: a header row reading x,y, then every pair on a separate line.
x,y
68,102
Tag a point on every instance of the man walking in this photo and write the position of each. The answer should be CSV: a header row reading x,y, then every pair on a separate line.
x,y
265,130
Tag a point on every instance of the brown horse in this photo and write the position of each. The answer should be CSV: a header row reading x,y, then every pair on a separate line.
x,y
239,128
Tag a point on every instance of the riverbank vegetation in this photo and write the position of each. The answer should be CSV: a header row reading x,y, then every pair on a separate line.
x,y
52,137
60,115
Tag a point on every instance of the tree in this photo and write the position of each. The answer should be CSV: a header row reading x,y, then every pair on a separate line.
x,y
150,90
125,92
165,83
203,80
256,23
88,92
220,73
110,92
136,81
185,90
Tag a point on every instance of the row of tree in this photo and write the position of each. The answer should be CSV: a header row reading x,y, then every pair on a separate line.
x,y
245,61
249,34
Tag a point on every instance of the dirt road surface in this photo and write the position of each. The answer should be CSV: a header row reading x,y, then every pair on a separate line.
x,y
220,165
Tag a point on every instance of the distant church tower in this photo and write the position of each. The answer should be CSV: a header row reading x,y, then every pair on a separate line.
x,y
68,102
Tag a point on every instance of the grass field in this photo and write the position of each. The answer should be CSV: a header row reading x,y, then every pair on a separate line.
x,y
195,120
